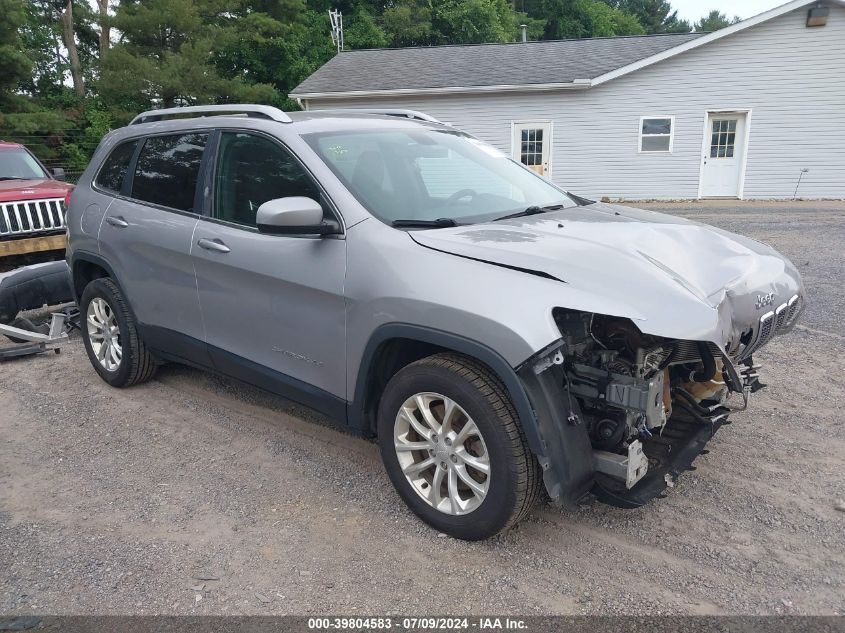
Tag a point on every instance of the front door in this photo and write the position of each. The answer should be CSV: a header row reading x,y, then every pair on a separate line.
x,y
273,305
724,147
532,145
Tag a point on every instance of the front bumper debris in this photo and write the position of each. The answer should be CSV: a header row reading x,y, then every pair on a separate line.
x,y
34,342
669,454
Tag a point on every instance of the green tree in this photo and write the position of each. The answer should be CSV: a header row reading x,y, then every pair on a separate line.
x,y
166,56
280,10
360,30
474,21
656,16
430,22
408,23
567,19
15,66
274,53
606,21
714,21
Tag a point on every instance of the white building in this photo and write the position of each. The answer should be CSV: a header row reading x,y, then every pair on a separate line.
x,y
738,113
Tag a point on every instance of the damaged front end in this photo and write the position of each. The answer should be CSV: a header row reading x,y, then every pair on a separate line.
x,y
623,413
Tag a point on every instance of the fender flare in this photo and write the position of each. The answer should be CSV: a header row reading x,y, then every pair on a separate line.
x,y
453,342
91,258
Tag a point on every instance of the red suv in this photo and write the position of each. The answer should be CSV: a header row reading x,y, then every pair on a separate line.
x,y
32,203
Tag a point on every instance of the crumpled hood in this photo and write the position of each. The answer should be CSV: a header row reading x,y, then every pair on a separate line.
x,y
645,260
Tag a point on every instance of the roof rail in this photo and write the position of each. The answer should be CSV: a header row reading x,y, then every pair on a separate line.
x,y
407,114
250,110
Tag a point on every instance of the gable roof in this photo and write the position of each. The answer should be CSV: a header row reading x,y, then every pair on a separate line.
x,y
481,65
522,66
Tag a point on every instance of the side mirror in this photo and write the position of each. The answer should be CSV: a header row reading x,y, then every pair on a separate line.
x,y
295,215
58,173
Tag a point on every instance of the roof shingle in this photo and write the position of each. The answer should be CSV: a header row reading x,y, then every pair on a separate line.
x,y
523,63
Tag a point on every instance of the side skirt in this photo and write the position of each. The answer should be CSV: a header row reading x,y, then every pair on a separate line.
x,y
179,348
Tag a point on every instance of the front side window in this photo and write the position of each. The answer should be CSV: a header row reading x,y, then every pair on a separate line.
x,y
115,167
656,134
252,170
168,169
429,174
18,164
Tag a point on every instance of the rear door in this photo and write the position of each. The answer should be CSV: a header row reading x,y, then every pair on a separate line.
x,y
146,237
273,305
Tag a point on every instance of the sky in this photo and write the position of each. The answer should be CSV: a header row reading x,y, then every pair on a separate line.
x,y
694,9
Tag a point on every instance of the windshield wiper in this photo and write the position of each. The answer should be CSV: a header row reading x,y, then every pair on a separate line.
x,y
11,178
532,210
439,223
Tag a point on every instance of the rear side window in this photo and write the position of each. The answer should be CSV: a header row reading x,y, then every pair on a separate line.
x,y
114,169
168,169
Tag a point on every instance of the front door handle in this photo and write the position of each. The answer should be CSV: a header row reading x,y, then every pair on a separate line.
x,y
117,221
213,245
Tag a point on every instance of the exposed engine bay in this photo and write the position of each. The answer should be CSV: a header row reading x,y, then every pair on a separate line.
x,y
648,404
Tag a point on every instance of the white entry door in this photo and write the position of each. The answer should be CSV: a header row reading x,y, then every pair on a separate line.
x,y
532,145
724,151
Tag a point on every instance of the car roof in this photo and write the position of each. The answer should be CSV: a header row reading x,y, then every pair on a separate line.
x,y
10,144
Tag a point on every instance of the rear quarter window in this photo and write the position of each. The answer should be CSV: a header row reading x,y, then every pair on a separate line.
x,y
114,169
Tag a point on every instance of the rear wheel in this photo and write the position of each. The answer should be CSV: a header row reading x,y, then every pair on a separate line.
x,y
453,447
111,338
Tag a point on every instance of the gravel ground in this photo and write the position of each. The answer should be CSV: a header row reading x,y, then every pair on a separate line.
x,y
197,495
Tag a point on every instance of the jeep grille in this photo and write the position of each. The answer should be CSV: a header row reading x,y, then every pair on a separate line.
x,y
771,324
31,216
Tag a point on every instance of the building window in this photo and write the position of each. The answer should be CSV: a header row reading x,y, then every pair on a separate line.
x,y
723,138
656,134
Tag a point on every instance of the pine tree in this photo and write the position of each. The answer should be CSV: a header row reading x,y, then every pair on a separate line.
x,y
166,56
714,21
656,16
15,66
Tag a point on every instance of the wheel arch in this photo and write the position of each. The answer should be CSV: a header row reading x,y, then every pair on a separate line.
x,y
86,267
395,345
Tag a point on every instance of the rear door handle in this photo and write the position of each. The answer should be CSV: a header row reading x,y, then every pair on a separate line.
x,y
117,221
213,245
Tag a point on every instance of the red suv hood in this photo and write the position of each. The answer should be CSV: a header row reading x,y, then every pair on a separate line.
x,y
13,190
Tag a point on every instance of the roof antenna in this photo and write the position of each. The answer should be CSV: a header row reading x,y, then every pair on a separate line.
x,y
524,28
336,18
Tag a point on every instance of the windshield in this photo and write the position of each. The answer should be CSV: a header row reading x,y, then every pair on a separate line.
x,y
19,164
429,174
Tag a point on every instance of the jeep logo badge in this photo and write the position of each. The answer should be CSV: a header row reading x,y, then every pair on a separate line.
x,y
765,300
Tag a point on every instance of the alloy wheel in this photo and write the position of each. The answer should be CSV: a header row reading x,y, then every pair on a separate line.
x,y
442,453
104,334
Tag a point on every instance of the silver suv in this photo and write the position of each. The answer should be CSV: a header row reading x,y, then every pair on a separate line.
x,y
498,335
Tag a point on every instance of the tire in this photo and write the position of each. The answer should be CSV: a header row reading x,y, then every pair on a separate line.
x,y
492,502
135,364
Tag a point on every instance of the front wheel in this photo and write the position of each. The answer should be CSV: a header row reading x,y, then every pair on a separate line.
x,y
453,448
